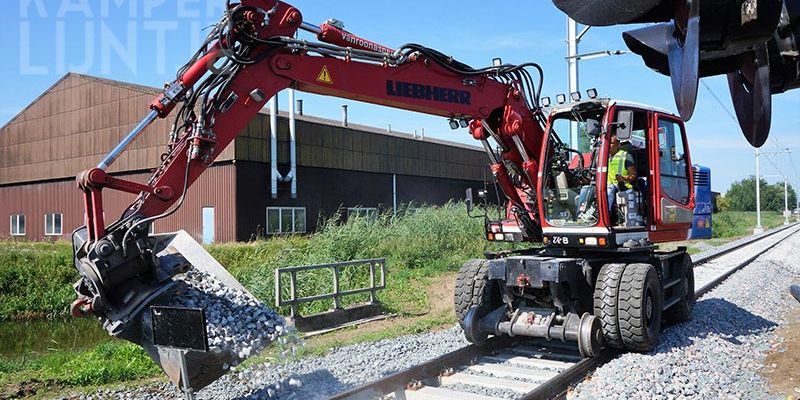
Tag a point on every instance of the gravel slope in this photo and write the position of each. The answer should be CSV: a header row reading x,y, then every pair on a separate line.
x,y
716,355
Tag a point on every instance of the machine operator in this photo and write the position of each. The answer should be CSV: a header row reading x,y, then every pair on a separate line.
x,y
621,173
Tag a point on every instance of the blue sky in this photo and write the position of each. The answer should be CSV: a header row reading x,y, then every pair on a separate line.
x,y
145,41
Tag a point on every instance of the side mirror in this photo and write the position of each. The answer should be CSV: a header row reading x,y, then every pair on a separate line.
x,y
593,127
674,154
468,200
624,124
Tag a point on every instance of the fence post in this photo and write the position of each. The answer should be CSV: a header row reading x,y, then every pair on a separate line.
x,y
372,281
336,299
383,273
277,287
293,289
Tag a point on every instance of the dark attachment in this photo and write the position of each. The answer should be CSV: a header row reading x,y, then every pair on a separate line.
x,y
795,290
179,328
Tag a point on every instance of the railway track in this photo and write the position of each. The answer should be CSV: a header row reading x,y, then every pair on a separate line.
x,y
537,369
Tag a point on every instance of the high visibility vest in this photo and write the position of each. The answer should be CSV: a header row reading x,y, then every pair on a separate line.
x,y
616,166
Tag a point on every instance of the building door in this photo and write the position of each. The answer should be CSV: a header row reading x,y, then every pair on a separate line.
x,y
208,225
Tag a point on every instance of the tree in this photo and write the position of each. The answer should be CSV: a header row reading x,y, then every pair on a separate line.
x,y
723,204
741,196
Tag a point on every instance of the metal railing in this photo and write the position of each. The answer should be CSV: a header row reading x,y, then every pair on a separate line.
x,y
337,294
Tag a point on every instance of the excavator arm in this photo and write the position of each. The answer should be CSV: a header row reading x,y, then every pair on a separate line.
x,y
251,55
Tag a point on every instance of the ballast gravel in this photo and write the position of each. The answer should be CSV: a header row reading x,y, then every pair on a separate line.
x,y
235,320
716,355
711,270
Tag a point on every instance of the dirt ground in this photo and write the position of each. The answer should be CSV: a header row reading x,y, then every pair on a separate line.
x,y
440,300
782,365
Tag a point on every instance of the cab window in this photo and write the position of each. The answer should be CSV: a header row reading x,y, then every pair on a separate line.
x,y
674,170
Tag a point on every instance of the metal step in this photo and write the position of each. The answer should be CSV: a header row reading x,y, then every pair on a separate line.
x,y
541,363
507,371
671,282
488,381
437,393
671,302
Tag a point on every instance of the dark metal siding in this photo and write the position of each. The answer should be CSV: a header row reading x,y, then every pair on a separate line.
x,y
322,143
217,188
323,191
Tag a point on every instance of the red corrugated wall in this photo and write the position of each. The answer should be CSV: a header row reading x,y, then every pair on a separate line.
x,y
216,188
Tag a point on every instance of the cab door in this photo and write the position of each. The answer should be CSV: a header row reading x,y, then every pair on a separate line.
x,y
673,195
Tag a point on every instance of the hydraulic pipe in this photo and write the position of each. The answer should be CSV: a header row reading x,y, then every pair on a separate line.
x,y
292,145
310,28
273,145
116,151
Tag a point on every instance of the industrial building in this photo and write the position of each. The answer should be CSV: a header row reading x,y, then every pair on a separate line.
x,y
339,167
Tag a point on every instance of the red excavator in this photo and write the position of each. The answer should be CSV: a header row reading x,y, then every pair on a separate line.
x,y
596,204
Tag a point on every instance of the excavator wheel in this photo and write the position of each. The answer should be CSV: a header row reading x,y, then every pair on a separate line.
x,y
639,307
474,289
606,290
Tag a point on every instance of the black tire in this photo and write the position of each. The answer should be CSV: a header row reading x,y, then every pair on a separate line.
x,y
606,289
682,311
473,288
639,307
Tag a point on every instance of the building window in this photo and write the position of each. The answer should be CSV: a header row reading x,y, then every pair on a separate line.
x,y
52,224
286,220
369,213
18,225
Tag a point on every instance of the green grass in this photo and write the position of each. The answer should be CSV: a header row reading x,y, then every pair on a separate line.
x,y
35,279
112,361
425,243
740,223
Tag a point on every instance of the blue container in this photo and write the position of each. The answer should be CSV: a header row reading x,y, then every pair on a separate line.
x,y
701,224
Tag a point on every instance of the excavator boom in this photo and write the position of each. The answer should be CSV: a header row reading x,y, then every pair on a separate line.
x,y
248,57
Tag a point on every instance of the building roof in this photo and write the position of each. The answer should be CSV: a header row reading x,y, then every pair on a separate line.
x,y
132,86
78,119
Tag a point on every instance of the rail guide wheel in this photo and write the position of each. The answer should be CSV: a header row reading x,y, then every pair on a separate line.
x,y
590,336
472,330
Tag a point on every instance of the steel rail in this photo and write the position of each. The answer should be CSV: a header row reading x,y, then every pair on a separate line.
x,y
710,285
400,380
557,386
725,249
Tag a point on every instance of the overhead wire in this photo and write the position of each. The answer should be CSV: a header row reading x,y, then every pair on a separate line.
x,y
714,95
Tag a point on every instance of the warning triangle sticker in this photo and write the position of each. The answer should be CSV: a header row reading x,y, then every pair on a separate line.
x,y
324,76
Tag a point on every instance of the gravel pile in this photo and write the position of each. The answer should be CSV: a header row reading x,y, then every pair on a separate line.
x,y
236,321
718,353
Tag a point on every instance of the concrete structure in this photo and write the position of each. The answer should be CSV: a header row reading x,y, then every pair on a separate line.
x,y
74,123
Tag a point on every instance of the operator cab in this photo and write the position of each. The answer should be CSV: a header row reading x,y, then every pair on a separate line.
x,y
614,174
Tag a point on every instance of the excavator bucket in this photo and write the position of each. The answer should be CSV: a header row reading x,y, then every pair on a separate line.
x,y
238,325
